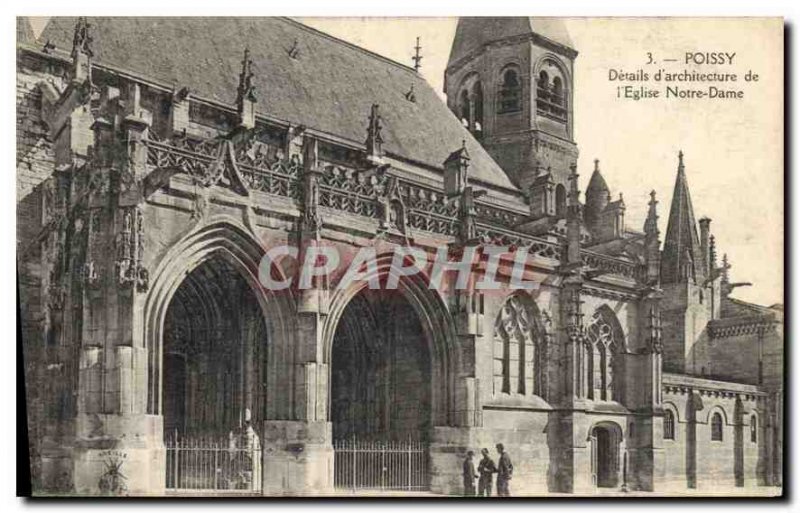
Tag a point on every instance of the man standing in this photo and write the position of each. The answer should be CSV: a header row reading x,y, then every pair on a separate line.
x,y
485,468
504,471
469,475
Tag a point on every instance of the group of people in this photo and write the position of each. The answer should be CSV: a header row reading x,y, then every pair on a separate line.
x,y
486,468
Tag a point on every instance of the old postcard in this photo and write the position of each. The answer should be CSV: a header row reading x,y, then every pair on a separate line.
x,y
401,256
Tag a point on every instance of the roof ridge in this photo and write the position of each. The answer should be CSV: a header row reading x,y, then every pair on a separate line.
x,y
353,46
742,302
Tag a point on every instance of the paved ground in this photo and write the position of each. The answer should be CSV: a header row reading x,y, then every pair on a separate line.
x,y
760,491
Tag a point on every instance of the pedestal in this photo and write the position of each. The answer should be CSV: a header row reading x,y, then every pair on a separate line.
x,y
297,458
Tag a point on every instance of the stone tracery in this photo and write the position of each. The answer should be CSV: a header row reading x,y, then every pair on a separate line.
x,y
520,348
603,342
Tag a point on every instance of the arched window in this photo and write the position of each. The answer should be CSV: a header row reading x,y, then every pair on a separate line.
x,y
510,94
716,427
561,200
551,98
603,340
464,109
477,101
557,96
753,429
543,86
519,348
669,425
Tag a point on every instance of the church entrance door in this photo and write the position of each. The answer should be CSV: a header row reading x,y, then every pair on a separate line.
x,y
605,457
214,357
380,394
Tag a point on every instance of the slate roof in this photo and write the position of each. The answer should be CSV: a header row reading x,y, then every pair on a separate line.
x,y
597,184
330,86
25,30
475,32
732,307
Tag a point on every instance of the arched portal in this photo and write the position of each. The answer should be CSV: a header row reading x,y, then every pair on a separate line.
x,y
214,380
220,243
209,329
393,368
381,371
214,353
607,447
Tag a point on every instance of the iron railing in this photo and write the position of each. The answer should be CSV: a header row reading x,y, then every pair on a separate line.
x,y
231,463
379,465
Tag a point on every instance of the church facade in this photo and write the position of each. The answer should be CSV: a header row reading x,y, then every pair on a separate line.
x,y
159,160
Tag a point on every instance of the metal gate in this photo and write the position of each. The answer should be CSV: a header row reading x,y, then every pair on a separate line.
x,y
379,465
227,464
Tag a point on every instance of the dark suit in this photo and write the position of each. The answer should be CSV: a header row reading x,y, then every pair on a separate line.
x,y
486,468
469,477
504,471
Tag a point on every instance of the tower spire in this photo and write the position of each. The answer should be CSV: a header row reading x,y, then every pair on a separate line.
x,y
597,196
682,257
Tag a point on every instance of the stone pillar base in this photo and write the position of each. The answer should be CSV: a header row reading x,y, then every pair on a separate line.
x,y
582,471
297,458
111,455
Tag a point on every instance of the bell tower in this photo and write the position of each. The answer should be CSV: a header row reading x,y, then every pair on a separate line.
x,y
510,82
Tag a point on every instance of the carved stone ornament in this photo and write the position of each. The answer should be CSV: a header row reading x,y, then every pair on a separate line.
x,y
130,252
392,209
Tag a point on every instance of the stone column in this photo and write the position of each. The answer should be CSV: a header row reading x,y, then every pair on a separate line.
x,y
114,433
647,465
298,453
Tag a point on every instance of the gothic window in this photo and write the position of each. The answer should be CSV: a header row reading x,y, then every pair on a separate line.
x,y
603,341
561,200
477,102
753,429
519,348
669,425
716,427
510,95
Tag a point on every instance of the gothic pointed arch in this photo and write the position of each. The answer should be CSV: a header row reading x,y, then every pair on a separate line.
x,y
221,240
520,348
428,310
605,341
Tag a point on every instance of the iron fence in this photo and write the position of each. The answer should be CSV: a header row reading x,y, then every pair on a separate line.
x,y
380,465
230,463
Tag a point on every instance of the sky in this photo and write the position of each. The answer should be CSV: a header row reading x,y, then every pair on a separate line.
x,y
733,148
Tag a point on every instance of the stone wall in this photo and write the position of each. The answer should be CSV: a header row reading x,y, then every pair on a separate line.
x,y
692,458
748,355
35,163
